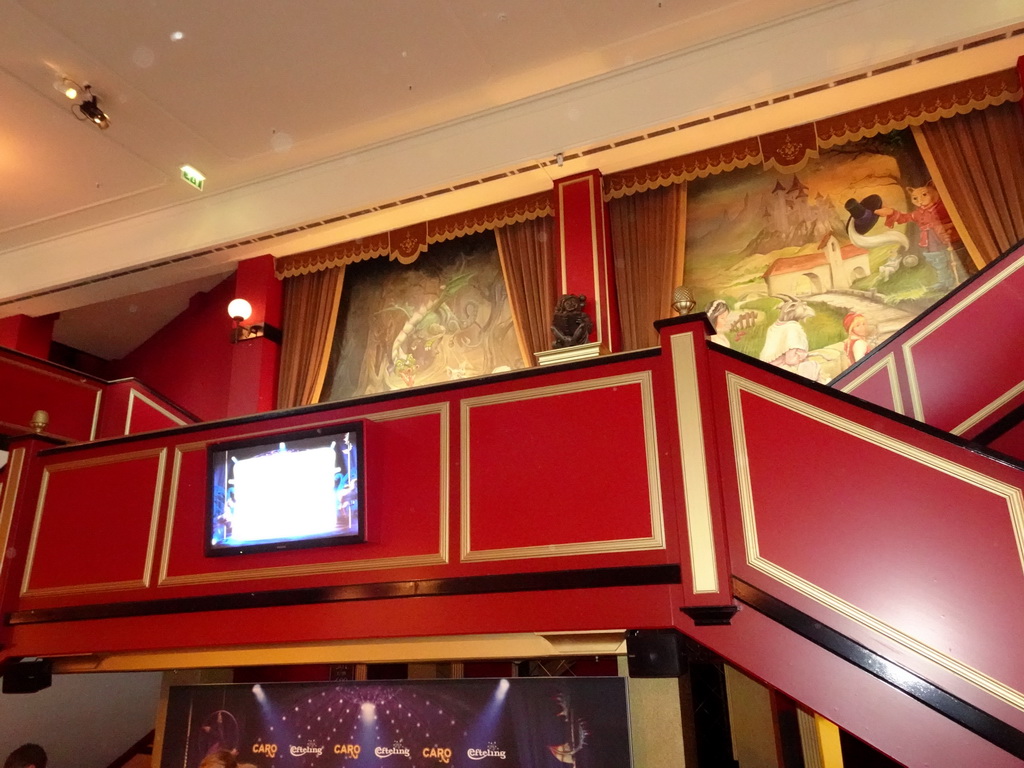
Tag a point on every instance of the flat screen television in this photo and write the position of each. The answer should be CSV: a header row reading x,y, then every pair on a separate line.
x,y
302,489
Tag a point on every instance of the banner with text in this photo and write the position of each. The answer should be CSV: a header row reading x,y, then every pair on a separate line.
x,y
512,723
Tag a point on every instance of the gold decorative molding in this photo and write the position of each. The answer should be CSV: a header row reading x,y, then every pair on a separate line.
x,y
8,498
938,322
134,395
693,456
886,363
656,540
147,571
440,557
1012,496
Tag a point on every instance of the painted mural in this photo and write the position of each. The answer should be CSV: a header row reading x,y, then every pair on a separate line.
x,y
813,269
446,316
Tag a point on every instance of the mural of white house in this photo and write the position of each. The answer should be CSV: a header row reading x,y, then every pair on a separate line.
x,y
831,266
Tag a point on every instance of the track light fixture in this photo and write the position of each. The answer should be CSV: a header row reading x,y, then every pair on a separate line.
x,y
89,109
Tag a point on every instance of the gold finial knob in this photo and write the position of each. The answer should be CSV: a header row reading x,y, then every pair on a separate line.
x,y
682,300
39,421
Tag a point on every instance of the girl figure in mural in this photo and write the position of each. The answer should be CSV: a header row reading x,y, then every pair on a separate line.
x,y
786,344
940,243
858,342
718,315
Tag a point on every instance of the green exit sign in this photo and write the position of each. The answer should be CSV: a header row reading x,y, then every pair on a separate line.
x,y
192,176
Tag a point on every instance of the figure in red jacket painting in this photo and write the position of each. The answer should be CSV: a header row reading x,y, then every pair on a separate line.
x,y
940,242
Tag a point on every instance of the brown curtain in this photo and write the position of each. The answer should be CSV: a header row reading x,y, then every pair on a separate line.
x,y
980,158
310,316
648,238
527,261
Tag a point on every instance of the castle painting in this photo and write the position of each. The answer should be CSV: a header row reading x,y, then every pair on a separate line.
x,y
811,270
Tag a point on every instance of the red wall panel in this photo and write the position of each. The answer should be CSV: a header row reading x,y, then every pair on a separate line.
x,y
526,511
898,539
95,524
957,363
129,408
561,466
818,523
880,384
27,385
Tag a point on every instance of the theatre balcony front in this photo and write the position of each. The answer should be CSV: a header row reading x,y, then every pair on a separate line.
x,y
863,563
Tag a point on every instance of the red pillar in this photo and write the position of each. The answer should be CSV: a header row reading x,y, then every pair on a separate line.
x,y
584,254
31,335
255,362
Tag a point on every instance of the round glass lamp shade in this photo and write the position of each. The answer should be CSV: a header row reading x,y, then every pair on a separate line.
x,y
239,310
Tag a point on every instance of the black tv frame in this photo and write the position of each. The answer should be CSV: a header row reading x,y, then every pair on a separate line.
x,y
216,453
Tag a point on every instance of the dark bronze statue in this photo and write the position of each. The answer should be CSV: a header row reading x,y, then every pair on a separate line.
x,y
572,326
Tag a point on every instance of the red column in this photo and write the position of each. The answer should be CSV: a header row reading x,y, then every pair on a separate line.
x,y
584,255
31,335
685,391
255,362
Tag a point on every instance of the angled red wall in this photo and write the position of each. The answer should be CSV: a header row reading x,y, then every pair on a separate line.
x,y
189,360
30,335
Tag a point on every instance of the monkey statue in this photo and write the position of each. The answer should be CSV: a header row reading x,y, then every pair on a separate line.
x,y
572,326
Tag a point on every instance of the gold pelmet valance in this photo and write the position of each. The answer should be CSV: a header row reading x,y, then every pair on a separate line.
x,y
789,149
786,150
407,243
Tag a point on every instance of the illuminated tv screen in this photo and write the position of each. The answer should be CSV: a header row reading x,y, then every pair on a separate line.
x,y
285,492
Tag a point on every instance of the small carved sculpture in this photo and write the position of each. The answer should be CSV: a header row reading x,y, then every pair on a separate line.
x,y
572,326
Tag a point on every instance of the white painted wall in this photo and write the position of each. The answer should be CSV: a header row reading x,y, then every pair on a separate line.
x,y
82,720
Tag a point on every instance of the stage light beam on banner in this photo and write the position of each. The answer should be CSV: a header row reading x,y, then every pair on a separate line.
x,y
486,725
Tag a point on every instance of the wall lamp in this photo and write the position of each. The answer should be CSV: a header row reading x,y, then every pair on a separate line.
x,y
240,310
89,109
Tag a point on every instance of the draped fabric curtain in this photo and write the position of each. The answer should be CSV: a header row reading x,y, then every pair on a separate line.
x,y
648,232
527,261
310,316
980,158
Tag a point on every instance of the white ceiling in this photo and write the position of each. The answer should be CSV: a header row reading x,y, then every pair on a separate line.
x,y
302,111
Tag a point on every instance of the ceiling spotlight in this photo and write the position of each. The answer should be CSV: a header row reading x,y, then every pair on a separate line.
x,y
68,87
89,109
